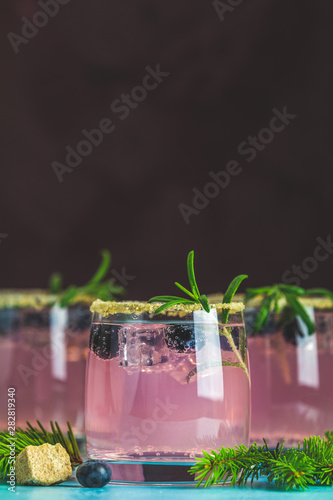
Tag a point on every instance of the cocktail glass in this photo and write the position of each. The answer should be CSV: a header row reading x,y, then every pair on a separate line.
x,y
161,389
291,374
43,350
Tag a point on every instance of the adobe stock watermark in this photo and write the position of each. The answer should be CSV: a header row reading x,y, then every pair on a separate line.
x,y
248,148
138,434
3,236
122,277
122,107
309,265
11,429
40,19
225,7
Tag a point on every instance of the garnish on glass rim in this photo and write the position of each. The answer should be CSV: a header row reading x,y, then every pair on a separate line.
x,y
170,301
194,294
271,302
309,464
96,287
35,436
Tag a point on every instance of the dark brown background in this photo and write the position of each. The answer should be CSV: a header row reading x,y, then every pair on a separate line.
x,y
225,78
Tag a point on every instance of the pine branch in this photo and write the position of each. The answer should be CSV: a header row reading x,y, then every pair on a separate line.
x,y
291,470
36,436
295,468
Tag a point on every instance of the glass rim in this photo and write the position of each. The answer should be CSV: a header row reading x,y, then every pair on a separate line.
x,y
34,298
106,308
316,301
217,298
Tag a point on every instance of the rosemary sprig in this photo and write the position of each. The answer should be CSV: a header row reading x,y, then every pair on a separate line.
x,y
270,302
96,287
240,355
194,294
37,436
197,298
310,463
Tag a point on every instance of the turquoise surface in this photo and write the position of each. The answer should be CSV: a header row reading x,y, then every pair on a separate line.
x,y
72,490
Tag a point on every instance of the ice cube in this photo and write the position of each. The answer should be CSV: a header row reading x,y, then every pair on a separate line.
x,y
142,345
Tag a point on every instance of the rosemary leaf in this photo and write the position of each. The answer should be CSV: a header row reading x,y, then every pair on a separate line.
x,y
103,268
183,289
300,311
295,290
55,284
263,313
191,275
166,306
229,294
168,298
204,302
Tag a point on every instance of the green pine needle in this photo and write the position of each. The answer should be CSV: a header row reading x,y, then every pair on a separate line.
x,y
296,468
36,436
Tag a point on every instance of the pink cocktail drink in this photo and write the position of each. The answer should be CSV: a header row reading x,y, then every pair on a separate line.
x,y
43,351
291,382
161,390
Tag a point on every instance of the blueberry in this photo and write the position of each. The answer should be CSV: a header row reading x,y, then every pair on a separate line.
x,y
180,338
93,474
79,318
290,331
103,341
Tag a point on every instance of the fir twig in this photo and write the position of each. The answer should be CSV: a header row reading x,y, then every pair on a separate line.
x,y
35,436
308,464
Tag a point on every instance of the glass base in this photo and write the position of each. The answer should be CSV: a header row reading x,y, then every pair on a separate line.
x,y
81,442
152,473
272,440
